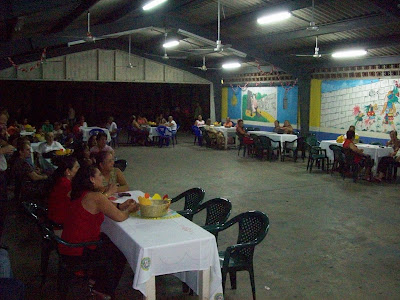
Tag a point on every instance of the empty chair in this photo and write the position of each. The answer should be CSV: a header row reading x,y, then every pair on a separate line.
x,y
317,155
121,164
293,147
217,212
269,145
193,198
253,227
164,136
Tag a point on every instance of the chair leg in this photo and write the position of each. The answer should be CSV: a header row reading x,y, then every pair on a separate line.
x,y
253,285
47,247
223,279
232,278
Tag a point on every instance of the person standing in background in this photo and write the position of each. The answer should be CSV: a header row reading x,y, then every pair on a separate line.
x,y
197,110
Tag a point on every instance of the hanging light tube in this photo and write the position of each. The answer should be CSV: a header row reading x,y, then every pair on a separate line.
x,y
152,4
349,53
273,18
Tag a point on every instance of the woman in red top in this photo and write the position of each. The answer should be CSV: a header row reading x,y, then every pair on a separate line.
x,y
59,199
83,222
364,160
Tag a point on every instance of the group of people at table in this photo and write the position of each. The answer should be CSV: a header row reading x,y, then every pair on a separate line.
x,y
80,188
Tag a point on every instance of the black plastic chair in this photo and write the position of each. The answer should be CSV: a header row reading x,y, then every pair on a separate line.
x,y
66,271
294,147
218,211
39,215
193,198
266,144
338,160
253,227
350,165
121,164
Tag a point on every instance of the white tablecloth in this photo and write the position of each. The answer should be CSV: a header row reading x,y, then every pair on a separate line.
x,y
153,132
27,133
86,130
227,132
376,152
276,137
166,246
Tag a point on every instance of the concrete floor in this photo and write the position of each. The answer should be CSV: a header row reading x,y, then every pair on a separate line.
x,y
328,238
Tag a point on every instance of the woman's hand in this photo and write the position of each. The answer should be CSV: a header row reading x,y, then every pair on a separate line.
x,y
131,207
126,204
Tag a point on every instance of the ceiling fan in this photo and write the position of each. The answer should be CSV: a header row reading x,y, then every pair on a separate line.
x,y
130,65
89,36
204,67
166,56
218,46
312,26
316,51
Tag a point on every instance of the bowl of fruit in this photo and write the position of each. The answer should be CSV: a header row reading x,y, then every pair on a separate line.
x,y
153,207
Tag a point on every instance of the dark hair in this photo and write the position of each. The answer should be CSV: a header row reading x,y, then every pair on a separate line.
x,y
101,157
21,142
81,181
63,163
100,135
350,134
90,142
395,132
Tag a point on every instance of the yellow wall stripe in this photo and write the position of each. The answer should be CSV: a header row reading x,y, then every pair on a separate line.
x,y
224,103
315,103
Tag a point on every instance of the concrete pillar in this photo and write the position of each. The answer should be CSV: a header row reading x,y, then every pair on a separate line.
x,y
304,84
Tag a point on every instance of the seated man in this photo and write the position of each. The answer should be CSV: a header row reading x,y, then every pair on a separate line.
x,y
277,127
171,123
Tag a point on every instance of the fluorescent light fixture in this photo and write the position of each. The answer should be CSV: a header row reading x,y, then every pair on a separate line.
x,y
349,53
171,43
153,4
273,18
231,65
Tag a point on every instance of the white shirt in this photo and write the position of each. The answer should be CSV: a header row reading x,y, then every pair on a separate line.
x,y
200,123
111,127
45,148
172,125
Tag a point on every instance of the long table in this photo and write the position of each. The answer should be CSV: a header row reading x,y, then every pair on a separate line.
x,y
376,152
276,137
170,245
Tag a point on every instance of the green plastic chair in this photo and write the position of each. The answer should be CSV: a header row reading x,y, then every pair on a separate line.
x,y
338,160
317,155
269,145
193,198
253,227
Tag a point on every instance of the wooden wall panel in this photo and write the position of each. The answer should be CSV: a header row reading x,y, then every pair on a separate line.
x,y
123,73
54,68
106,65
153,72
34,74
82,66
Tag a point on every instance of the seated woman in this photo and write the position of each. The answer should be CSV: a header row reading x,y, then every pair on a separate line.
x,y
394,157
32,180
142,121
287,128
159,120
228,123
101,144
60,198
218,136
364,160
50,144
199,122
84,218
114,180
137,131
240,130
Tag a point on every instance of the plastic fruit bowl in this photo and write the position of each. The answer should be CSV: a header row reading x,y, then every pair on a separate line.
x,y
158,208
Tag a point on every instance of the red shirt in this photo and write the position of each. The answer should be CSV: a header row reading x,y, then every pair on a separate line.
x,y
357,157
59,200
80,226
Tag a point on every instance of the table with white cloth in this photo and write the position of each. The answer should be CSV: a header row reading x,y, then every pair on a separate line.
x,y
27,133
227,132
168,245
153,132
376,152
86,131
277,137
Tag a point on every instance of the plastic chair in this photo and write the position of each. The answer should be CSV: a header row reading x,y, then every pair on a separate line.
x,y
253,227
66,271
317,155
95,131
193,198
197,135
350,165
121,164
164,136
269,145
338,159
293,147
218,211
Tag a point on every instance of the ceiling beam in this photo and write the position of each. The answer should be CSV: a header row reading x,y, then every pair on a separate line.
x,y
68,19
351,24
389,7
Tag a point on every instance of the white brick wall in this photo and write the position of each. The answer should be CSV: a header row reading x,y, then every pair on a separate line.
x,y
337,107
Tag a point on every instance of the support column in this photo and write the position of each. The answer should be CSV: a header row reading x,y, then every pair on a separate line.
x,y
304,83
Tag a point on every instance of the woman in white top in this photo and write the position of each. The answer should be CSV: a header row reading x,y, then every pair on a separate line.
x,y
50,144
199,122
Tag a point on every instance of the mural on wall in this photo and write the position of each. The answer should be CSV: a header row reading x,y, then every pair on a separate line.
x,y
262,104
370,105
